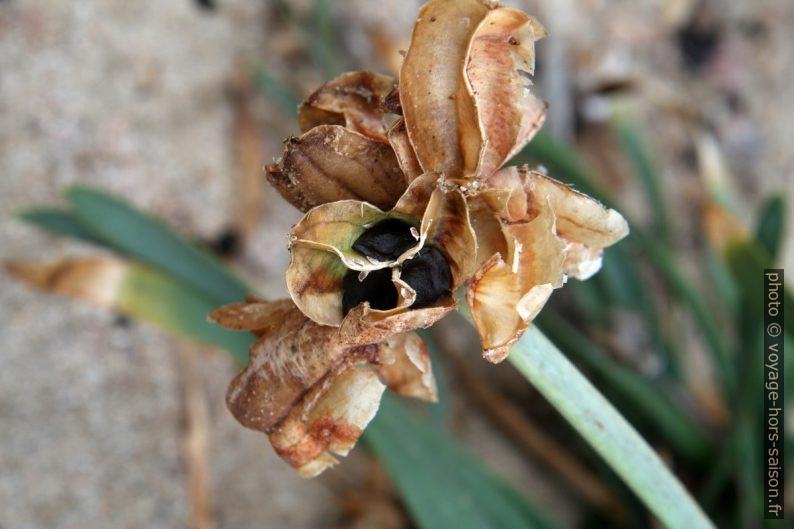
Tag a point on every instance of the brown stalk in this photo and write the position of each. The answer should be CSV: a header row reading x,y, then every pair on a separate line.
x,y
196,440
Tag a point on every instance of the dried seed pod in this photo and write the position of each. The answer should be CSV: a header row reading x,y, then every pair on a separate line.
x,y
334,238
549,231
364,325
446,225
330,163
353,99
312,391
328,420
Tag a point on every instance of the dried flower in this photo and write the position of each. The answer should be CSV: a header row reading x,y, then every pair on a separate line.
x,y
513,235
405,202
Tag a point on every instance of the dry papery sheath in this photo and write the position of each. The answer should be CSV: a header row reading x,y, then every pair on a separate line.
x,y
406,200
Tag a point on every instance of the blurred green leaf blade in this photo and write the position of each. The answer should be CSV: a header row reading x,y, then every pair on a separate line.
x,y
60,222
471,497
141,237
771,227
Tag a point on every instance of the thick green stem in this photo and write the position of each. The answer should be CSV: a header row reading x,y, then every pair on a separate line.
x,y
626,452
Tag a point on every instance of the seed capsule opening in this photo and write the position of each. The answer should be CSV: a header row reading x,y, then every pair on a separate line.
x,y
427,272
376,287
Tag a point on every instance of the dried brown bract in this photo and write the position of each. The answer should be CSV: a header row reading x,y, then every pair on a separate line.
x,y
313,389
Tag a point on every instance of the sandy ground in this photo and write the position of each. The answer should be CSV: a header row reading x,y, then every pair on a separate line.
x,y
132,97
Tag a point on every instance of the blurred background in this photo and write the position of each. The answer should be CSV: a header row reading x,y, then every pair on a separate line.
x,y
676,112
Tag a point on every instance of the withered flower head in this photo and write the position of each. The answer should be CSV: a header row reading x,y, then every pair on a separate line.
x,y
405,201
512,235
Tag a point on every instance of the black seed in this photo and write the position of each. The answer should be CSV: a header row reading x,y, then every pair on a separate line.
x,y
377,288
428,273
385,241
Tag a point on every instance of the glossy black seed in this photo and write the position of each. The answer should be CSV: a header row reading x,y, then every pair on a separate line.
x,y
377,288
428,273
385,241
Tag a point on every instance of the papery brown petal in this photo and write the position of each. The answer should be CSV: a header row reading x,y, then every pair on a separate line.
x,y
506,195
404,366
94,279
504,296
500,60
314,281
330,163
252,315
488,231
413,201
406,157
364,325
438,110
336,226
292,356
579,218
447,226
582,262
353,99
328,421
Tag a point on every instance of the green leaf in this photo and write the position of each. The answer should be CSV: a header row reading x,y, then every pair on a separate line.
x,y
140,237
772,225
445,486
60,222
665,263
274,89
322,39
639,156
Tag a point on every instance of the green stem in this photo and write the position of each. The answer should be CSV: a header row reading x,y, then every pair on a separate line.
x,y
606,431
612,437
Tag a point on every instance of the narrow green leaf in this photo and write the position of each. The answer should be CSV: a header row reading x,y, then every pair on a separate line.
x,y
644,166
772,225
60,222
445,487
747,260
322,39
140,237
664,262
274,89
